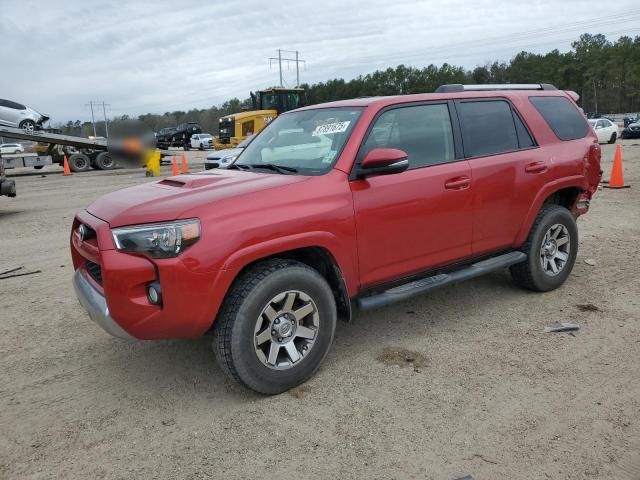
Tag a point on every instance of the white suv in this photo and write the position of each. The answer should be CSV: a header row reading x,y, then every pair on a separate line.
x,y
201,141
8,148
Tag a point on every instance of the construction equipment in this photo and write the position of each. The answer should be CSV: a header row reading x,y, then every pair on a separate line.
x,y
267,105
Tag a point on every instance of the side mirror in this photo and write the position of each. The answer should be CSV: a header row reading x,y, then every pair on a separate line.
x,y
383,161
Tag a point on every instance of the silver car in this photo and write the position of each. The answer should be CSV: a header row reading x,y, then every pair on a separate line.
x,y
225,158
14,114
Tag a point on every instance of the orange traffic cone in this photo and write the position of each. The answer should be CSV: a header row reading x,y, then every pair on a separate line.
x,y
65,166
183,166
175,171
616,179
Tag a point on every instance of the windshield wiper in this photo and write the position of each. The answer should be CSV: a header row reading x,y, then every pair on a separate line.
x,y
274,167
237,166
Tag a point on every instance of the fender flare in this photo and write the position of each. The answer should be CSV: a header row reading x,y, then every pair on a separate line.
x,y
576,181
234,264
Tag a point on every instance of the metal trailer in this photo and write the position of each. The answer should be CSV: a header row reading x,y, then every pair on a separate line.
x,y
82,153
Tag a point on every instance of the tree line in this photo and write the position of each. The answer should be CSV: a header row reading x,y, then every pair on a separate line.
x,y
605,73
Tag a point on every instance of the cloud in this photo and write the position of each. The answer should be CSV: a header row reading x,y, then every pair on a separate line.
x,y
157,56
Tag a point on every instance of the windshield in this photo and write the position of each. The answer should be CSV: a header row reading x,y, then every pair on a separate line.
x,y
245,142
306,142
592,122
206,135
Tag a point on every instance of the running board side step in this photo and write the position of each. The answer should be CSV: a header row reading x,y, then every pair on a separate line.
x,y
423,285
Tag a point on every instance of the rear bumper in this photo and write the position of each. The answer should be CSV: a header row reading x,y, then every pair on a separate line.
x,y
96,305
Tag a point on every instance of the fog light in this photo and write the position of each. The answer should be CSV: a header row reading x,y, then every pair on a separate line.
x,y
154,293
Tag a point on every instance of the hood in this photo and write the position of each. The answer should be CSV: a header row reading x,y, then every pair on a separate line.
x,y
170,198
634,125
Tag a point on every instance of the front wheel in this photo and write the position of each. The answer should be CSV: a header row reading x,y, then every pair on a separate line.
x,y
551,250
28,126
613,138
276,326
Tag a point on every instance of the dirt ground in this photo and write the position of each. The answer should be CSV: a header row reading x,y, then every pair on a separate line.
x,y
462,381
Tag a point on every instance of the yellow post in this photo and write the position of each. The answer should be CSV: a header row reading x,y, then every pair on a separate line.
x,y
152,163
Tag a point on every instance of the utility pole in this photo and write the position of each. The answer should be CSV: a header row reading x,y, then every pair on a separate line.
x,y
93,120
281,59
104,111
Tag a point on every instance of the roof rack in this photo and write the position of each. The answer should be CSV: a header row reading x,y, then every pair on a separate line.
x,y
459,87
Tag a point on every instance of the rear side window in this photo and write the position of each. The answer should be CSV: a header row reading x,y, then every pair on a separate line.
x,y
488,128
562,116
422,131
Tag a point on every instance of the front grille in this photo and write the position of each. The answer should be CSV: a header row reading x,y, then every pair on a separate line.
x,y
226,130
95,271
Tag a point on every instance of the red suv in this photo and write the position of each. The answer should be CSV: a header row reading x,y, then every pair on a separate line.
x,y
357,203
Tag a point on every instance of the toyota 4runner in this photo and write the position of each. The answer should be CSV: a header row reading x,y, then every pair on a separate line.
x,y
357,203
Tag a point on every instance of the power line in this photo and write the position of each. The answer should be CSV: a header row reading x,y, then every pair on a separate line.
x,y
442,52
93,119
281,59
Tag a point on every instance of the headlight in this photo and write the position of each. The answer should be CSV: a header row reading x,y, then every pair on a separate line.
x,y
160,240
228,159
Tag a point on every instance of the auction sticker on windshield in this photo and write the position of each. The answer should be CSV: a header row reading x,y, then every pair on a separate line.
x,y
328,128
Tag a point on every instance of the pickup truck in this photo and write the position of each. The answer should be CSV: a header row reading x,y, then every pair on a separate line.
x,y
352,204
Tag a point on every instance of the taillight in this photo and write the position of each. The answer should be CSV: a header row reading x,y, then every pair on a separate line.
x,y
592,168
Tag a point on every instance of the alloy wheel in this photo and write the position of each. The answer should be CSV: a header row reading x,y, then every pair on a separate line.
x,y
555,249
286,330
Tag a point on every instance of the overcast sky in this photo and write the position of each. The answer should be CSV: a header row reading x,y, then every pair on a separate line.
x,y
159,56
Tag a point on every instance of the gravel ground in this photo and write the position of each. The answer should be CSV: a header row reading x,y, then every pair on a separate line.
x,y
461,381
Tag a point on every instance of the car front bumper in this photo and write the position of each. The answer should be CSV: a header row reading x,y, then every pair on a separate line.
x,y
629,133
96,305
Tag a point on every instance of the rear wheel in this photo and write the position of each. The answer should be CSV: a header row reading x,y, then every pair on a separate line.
x,y
104,161
79,162
276,326
613,138
551,250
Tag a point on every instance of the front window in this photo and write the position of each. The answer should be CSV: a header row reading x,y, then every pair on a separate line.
x,y
306,142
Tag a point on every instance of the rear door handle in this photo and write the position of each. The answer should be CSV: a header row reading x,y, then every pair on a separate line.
x,y
457,183
536,167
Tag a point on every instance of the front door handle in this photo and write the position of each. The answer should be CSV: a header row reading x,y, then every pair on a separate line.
x,y
536,167
457,183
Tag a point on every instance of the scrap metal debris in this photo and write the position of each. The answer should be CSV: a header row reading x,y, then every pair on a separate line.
x,y
5,275
561,327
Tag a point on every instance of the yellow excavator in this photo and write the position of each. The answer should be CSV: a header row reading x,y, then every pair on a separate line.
x,y
267,105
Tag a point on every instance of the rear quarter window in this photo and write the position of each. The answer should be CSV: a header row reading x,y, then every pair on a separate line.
x,y
562,116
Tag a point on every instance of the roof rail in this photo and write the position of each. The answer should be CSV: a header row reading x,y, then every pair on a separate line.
x,y
459,87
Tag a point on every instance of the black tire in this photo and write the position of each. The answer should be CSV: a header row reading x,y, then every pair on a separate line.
x,y
201,147
530,273
613,138
234,329
16,152
38,167
79,162
104,161
28,126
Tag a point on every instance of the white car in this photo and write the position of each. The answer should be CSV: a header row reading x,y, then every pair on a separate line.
x,y
606,130
14,114
201,141
11,148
